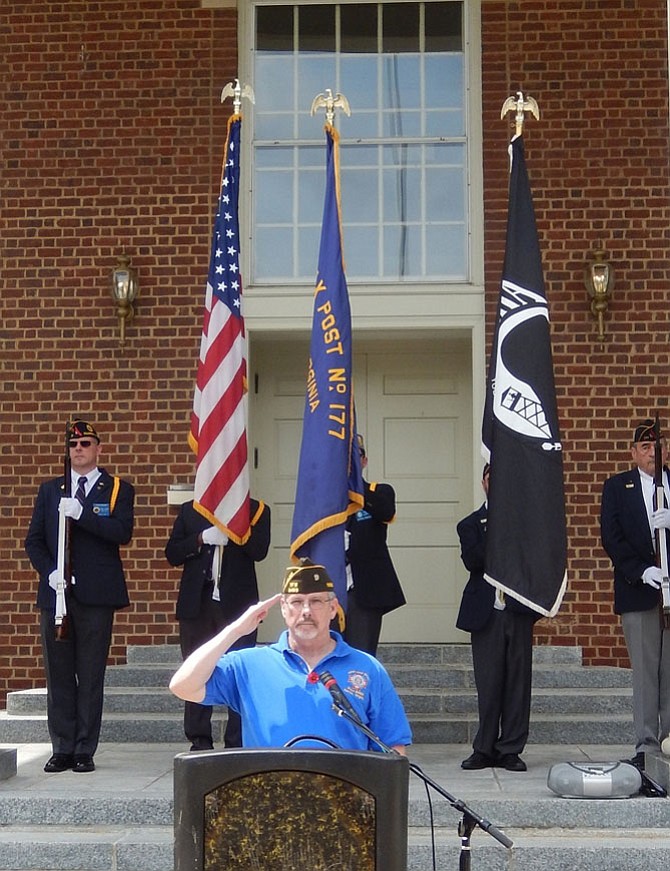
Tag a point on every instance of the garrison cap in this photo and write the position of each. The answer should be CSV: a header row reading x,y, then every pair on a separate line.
x,y
645,432
80,429
307,578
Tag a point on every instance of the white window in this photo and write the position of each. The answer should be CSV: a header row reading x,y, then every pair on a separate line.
x,y
403,152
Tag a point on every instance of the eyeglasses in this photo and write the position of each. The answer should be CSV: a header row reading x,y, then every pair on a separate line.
x,y
313,604
84,443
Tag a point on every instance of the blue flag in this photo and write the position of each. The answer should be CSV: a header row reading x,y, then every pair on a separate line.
x,y
330,482
526,540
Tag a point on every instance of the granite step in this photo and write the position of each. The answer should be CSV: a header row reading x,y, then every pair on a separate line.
x,y
121,817
159,700
151,849
570,703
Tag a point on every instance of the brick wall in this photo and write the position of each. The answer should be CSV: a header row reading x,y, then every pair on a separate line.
x,y
112,133
599,161
111,139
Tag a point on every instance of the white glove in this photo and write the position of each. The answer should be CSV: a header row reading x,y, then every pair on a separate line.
x,y
660,519
71,507
653,576
213,535
54,577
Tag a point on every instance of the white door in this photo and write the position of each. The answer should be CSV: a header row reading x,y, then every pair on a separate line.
x,y
414,408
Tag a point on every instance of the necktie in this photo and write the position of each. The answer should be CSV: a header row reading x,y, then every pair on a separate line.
x,y
80,495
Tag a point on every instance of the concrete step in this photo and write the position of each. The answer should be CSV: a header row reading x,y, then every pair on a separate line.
x,y
159,700
415,675
151,849
120,818
570,703
427,728
438,654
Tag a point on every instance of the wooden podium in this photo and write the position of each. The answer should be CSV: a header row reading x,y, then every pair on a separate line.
x,y
287,809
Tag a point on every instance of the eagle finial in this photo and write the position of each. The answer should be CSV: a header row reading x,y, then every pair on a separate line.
x,y
330,103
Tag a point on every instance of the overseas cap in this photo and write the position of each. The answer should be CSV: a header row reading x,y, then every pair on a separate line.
x,y
80,429
307,578
645,432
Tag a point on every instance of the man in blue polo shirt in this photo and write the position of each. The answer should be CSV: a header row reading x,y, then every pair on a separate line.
x,y
278,689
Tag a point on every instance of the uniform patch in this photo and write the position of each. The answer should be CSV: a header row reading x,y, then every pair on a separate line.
x,y
101,508
357,683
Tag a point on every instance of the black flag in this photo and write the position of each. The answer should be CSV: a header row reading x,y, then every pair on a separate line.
x,y
526,541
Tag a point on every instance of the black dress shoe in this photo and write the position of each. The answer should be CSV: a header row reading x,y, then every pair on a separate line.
x,y
59,762
637,760
511,762
83,762
201,744
477,761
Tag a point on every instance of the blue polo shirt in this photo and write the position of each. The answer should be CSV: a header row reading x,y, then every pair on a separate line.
x,y
280,699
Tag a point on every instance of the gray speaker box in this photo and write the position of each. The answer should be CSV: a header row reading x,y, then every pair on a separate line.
x,y
594,779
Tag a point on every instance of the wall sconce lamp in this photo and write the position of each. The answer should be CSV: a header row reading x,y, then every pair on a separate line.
x,y
599,280
125,287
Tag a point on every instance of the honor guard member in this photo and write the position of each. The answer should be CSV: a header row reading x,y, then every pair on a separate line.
x,y
373,587
501,633
628,521
100,519
279,690
217,585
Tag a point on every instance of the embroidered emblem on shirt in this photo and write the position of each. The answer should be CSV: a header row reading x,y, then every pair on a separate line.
x,y
357,683
101,508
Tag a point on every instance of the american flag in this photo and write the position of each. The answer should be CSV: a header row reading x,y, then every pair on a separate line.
x,y
218,434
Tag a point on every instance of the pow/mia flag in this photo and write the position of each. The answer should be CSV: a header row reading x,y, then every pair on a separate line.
x,y
526,541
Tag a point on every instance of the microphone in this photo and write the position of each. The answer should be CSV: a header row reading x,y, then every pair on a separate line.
x,y
340,699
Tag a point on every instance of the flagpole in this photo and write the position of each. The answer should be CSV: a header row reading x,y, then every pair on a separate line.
x,y
329,485
526,525
218,432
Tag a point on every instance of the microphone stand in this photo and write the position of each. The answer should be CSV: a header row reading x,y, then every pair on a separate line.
x,y
468,821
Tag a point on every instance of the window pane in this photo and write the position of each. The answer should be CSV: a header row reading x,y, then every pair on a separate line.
x,y
274,197
360,252
444,27
402,252
273,253
401,81
316,29
360,198
446,251
277,78
274,28
402,195
401,27
310,196
358,28
308,251
444,80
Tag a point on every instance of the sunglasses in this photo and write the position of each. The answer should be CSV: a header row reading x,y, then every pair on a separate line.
x,y
84,443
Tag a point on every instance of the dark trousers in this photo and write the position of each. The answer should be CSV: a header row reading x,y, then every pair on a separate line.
x,y
502,655
363,625
192,634
75,674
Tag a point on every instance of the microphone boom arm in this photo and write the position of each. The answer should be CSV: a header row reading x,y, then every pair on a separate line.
x,y
470,818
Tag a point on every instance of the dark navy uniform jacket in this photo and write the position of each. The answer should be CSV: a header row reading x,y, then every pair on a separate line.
x,y
627,538
479,596
238,587
105,524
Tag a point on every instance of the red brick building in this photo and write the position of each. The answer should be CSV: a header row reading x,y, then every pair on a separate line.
x,y
111,142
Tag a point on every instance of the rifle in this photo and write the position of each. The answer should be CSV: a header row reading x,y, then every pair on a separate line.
x,y
660,535
63,565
